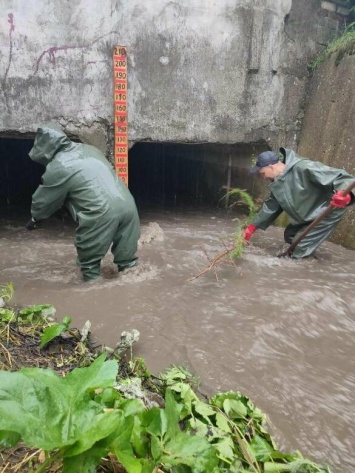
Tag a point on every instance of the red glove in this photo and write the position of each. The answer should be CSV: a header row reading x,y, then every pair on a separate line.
x,y
249,230
340,200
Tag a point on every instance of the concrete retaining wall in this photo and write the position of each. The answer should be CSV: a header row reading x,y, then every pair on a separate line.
x,y
328,126
226,71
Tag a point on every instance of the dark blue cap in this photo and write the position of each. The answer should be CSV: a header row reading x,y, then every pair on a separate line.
x,y
265,159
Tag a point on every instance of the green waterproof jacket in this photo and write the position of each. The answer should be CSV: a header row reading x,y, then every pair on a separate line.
x,y
79,177
303,191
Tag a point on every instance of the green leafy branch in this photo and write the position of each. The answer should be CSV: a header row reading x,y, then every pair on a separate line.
x,y
233,250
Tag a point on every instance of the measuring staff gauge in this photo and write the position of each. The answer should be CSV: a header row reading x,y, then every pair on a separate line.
x,y
120,112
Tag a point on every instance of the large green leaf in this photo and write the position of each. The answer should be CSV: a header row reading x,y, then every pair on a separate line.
x,y
261,448
235,409
222,422
181,448
130,462
197,427
187,397
204,410
86,462
8,439
130,406
94,429
54,331
122,447
34,309
50,412
152,422
220,398
156,448
36,314
172,412
139,441
190,450
225,448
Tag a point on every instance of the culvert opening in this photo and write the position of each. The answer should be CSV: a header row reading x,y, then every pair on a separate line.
x,y
19,175
160,174
176,174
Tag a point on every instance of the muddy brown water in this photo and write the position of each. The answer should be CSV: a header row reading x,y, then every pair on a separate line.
x,y
280,331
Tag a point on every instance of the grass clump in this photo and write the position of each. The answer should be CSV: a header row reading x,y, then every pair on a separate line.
x,y
6,292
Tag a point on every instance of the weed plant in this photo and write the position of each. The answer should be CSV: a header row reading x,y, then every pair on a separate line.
x,y
7,292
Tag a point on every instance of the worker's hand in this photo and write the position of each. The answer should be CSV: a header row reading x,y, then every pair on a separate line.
x,y
31,224
340,200
249,230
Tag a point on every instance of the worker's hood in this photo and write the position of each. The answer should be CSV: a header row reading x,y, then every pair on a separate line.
x,y
290,158
50,139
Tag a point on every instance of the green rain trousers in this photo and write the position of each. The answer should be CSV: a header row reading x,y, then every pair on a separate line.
x,y
79,177
303,191
316,236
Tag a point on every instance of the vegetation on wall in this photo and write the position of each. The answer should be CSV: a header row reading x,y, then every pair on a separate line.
x,y
342,45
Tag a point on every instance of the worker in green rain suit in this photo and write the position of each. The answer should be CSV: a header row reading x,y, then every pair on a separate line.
x,y
79,177
303,189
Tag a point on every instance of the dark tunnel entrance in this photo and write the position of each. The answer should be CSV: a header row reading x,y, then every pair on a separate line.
x,y
161,175
167,175
19,175
176,174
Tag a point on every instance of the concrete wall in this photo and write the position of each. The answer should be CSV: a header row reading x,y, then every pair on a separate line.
x,y
328,126
214,71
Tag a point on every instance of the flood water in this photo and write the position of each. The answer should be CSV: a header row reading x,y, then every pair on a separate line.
x,y
280,331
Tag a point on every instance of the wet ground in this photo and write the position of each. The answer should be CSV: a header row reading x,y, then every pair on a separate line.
x,y
280,331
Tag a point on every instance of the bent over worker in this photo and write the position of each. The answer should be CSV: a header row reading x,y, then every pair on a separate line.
x,y
79,177
303,189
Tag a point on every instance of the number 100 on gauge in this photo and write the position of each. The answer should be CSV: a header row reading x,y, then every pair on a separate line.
x,y
120,112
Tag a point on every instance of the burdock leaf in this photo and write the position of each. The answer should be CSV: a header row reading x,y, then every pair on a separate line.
x,y
85,462
51,412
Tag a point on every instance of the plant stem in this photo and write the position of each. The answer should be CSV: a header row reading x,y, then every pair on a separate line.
x,y
49,461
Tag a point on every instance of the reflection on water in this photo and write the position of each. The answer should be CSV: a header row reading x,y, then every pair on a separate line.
x,y
280,331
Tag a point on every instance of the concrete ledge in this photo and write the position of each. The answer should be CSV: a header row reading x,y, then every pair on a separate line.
x,y
343,11
335,8
329,6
